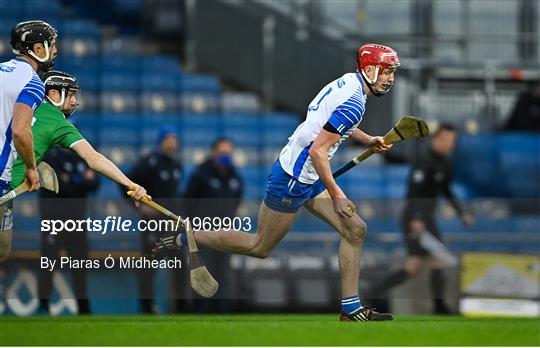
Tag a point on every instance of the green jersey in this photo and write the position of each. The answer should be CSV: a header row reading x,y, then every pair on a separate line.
x,y
50,128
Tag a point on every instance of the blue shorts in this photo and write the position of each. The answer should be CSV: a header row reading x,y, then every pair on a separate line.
x,y
286,194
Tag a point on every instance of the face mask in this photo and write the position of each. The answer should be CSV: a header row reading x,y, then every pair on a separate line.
x,y
224,160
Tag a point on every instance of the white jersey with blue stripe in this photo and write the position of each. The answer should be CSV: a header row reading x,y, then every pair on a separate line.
x,y
19,83
340,103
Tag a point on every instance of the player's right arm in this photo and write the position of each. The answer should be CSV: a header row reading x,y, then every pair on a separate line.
x,y
22,139
103,165
319,157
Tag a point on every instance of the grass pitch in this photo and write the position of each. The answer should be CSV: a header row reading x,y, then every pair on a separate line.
x,y
254,330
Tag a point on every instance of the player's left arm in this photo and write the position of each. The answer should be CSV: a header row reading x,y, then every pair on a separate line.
x,y
103,165
375,143
466,218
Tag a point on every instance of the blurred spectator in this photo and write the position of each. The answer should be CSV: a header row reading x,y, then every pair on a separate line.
x,y
430,176
160,173
526,113
75,181
215,190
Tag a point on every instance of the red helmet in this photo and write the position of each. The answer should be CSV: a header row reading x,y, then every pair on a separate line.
x,y
380,56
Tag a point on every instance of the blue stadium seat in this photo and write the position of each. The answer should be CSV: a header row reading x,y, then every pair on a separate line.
x,y
88,79
199,93
449,225
199,83
383,225
243,129
366,182
490,226
159,64
71,63
88,124
396,177
277,128
519,157
201,129
159,91
11,13
199,102
254,178
527,224
151,123
161,81
108,189
124,64
43,9
80,38
119,91
119,101
81,28
118,81
477,164
6,24
119,129
159,101
27,223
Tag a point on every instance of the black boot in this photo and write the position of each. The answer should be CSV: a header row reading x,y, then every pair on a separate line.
x,y
438,282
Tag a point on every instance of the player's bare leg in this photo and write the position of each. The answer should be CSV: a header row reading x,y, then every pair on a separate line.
x,y
272,227
5,236
353,232
5,244
6,232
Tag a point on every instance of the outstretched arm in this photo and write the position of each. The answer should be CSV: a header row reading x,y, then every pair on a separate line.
x,y
466,218
103,165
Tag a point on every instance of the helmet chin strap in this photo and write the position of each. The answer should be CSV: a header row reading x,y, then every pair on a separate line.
x,y
47,53
367,79
44,63
370,82
61,100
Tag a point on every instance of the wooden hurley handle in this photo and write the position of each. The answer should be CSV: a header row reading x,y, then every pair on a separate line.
x,y
160,208
192,245
391,137
22,188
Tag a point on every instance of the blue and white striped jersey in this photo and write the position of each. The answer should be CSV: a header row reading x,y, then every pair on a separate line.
x,y
340,103
19,83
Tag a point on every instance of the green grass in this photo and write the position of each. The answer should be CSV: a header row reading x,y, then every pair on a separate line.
x,y
254,330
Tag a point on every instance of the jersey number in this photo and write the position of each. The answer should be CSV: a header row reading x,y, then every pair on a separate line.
x,y
316,107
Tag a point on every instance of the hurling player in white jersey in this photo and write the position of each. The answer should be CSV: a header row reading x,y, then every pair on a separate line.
x,y
302,177
21,92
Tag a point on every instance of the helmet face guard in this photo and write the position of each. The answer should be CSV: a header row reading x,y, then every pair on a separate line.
x,y
25,34
382,58
63,83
